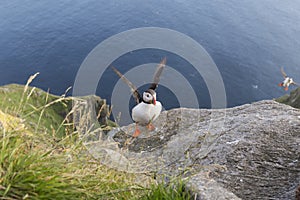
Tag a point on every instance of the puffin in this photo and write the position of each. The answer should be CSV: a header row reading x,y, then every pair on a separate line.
x,y
287,81
147,108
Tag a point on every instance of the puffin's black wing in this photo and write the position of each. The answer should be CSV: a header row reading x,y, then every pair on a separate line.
x,y
158,73
133,88
283,73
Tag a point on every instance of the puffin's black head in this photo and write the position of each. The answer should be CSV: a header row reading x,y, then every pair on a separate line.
x,y
149,97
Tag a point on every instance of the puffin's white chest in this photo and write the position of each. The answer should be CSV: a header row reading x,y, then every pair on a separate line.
x,y
143,113
287,81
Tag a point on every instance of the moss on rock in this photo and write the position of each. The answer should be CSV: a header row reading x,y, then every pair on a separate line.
x,y
292,99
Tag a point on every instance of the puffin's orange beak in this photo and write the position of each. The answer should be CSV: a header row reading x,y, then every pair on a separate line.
x,y
154,102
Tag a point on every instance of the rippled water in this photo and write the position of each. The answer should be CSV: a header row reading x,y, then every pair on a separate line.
x,y
248,40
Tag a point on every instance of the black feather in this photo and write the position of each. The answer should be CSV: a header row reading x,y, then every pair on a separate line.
x,y
134,90
157,74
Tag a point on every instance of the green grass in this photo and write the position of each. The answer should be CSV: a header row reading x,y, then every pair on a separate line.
x,y
39,160
33,105
29,169
174,191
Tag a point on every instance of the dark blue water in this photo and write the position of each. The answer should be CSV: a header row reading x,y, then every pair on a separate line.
x,y
248,40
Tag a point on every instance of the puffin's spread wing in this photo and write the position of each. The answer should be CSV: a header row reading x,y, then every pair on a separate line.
x,y
283,73
133,88
158,73
297,84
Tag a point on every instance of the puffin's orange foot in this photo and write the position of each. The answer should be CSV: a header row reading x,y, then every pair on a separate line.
x,y
280,84
150,127
136,133
286,88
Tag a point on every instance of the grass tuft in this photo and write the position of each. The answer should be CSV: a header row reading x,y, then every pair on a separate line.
x,y
174,191
64,171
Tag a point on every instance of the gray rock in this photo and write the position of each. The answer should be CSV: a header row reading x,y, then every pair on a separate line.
x,y
251,151
205,188
89,113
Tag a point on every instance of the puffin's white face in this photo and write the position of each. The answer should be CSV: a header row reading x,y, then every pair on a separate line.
x,y
149,98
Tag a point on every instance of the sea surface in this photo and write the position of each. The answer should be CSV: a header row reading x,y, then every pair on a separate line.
x,y
248,41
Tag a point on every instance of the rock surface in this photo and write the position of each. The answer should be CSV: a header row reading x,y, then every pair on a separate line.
x,y
249,152
93,108
204,187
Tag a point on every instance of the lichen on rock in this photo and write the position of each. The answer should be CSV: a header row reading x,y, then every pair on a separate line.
x,y
252,151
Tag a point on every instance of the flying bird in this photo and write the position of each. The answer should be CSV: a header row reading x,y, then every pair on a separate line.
x,y
147,108
287,81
